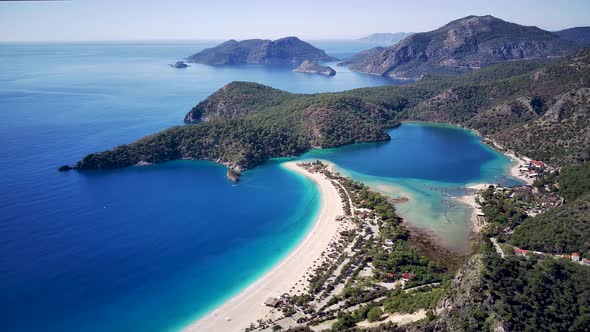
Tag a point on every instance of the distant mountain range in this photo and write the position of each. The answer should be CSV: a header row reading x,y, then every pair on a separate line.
x,y
465,44
579,35
290,51
386,38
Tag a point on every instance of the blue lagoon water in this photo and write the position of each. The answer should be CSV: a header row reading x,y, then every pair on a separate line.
x,y
150,248
431,164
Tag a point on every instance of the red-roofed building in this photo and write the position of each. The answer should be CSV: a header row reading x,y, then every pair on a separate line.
x,y
390,275
575,256
521,252
586,261
537,163
408,276
566,256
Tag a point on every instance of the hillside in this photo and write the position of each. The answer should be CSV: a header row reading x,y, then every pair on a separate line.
x,y
243,124
513,294
578,34
288,51
469,43
386,38
565,229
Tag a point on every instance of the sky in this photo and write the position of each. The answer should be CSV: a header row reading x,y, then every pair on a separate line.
x,y
93,20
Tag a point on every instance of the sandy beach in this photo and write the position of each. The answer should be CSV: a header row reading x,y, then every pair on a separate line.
x,y
514,170
286,277
474,207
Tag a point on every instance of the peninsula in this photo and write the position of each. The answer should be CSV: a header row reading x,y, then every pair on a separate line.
x,y
357,252
288,51
527,107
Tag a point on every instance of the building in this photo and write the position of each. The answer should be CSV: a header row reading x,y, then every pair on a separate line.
x,y
521,252
576,257
272,302
586,261
566,256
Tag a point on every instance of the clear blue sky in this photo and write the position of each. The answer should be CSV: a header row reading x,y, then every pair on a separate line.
x,y
223,19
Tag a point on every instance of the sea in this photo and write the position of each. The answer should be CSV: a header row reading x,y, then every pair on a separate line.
x,y
153,248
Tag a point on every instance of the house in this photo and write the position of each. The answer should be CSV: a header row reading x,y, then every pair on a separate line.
x,y
407,276
586,261
566,256
537,163
576,257
272,302
481,218
389,275
521,252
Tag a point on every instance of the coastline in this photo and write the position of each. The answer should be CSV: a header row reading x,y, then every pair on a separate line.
x,y
470,200
247,307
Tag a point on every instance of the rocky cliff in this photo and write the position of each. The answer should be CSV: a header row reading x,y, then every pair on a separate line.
x,y
314,68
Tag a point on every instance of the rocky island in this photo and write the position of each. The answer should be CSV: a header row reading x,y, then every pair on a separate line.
x,y
314,68
465,44
288,51
179,65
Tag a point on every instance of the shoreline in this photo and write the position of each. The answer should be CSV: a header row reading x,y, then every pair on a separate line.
x,y
469,200
285,277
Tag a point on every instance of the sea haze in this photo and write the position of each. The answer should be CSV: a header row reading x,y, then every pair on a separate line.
x,y
151,248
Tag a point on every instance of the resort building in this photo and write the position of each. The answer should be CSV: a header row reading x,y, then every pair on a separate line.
x,y
272,302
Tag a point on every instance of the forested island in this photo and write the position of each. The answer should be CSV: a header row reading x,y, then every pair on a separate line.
x,y
288,51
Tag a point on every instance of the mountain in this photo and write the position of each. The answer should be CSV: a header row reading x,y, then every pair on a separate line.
x,y
579,35
386,38
469,43
290,51
520,104
313,68
361,56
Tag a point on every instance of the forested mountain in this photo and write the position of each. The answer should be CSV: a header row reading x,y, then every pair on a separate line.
x,y
290,51
578,34
243,124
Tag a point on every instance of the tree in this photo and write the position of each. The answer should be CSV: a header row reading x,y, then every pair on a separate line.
x,y
374,314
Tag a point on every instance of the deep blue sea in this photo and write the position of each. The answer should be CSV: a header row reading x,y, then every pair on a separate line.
x,y
154,248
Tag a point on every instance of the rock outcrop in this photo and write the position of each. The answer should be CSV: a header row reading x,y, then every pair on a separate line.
x,y
179,65
314,68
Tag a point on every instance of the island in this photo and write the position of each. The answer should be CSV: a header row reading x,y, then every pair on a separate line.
x,y
288,51
314,68
179,65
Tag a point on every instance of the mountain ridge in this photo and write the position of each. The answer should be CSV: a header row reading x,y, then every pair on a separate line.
x,y
465,44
